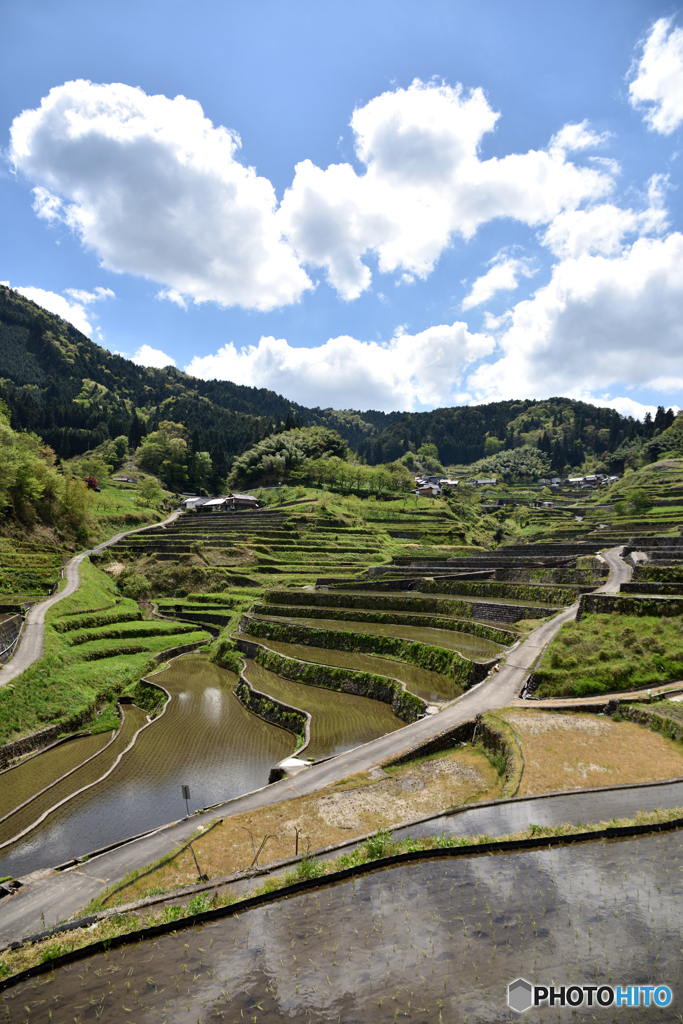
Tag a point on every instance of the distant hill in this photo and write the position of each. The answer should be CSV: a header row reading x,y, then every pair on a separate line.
x,y
75,394
567,431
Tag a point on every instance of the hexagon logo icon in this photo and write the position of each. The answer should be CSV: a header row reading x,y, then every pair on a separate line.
x,y
519,995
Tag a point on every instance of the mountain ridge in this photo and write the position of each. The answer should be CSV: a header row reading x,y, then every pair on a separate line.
x,y
61,385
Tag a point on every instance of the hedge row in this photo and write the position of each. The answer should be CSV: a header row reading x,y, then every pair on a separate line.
x,y
271,710
498,636
404,705
435,659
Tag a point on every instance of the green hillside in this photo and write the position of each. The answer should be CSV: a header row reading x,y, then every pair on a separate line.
x,y
75,395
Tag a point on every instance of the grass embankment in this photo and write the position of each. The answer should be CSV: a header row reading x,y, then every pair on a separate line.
x,y
372,849
611,653
577,751
64,684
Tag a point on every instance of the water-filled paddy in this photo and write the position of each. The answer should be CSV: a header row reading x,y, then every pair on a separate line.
x,y
475,648
205,738
133,719
428,685
20,783
435,940
339,722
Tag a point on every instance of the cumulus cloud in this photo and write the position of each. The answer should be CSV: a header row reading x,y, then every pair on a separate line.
x,y
148,356
156,190
423,182
657,83
503,276
599,321
346,373
73,312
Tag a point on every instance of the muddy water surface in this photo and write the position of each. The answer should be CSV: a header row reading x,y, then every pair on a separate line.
x,y
432,941
20,783
475,648
340,721
205,739
430,686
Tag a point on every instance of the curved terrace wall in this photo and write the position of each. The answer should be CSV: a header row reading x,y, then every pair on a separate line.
x,y
436,659
405,705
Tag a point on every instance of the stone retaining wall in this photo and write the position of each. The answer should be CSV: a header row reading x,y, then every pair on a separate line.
x,y
614,604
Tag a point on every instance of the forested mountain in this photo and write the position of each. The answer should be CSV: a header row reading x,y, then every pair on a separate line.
x,y
74,394
567,431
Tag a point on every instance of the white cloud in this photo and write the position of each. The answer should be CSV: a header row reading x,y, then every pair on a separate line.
x,y
148,356
346,373
154,189
74,313
658,81
424,182
503,276
574,137
171,295
625,406
86,298
598,322
601,229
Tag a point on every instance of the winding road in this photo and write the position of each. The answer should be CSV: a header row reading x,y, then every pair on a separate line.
x,y
49,896
30,647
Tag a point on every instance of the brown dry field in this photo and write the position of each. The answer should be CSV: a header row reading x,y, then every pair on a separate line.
x,y
355,806
575,751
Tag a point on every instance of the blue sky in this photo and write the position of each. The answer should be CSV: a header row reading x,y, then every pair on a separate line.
x,y
364,205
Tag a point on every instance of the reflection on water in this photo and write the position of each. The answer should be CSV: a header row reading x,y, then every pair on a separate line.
x,y
205,739
432,941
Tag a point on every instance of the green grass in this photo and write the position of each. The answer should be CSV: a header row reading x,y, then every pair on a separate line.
x,y
63,685
609,653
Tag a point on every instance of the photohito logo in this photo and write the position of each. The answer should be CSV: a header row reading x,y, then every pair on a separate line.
x,y
522,995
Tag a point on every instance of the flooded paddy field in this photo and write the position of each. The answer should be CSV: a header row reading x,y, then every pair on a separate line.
x,y
205,739
474,648
339,722
133,719
429,685
19,783
433,940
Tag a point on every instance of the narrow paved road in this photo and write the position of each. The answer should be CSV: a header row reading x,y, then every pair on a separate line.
x,y
30,647
59,896
619,571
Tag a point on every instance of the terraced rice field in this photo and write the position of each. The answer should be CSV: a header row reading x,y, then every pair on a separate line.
x,y
28,569
471,647
430,686
28,778
434,940
85,775
205,739
340,721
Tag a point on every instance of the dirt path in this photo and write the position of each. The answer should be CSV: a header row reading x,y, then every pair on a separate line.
x,y
30,647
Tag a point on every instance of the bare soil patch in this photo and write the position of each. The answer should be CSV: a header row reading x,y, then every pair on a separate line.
x,y
575,751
